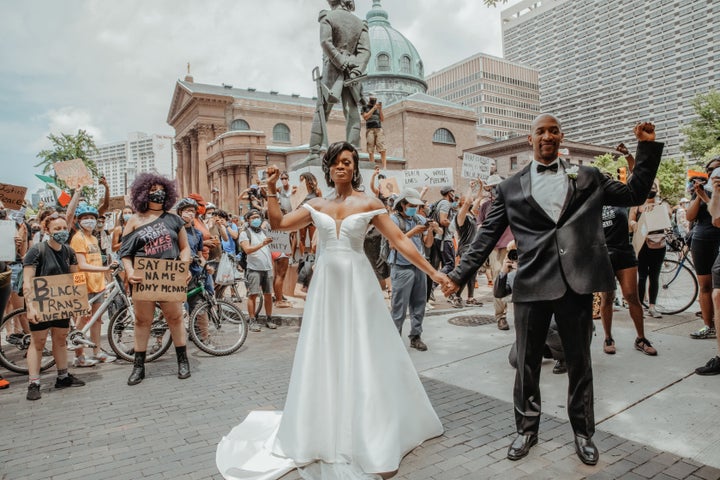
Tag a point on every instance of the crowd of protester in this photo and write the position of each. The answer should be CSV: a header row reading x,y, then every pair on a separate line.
x,y
441,228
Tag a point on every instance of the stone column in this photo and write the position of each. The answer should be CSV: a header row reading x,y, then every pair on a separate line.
x,y
205,135
241,183
194,163
187,165
225,193
179,168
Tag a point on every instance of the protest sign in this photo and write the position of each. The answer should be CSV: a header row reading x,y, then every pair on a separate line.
x,y
657,219
7,240
163,280
116,203
476,166
12,196
280,241
57,297
389,186
74,173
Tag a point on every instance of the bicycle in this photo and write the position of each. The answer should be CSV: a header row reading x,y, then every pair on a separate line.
x,y
13,356
678,282
216,327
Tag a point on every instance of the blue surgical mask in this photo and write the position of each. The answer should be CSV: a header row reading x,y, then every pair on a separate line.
x,y
454,204
126,217
61,236
256,222
411,211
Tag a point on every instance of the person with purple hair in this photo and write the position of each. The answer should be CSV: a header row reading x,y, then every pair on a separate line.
x,y
153,232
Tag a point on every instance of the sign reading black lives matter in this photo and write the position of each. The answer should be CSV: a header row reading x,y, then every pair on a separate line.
x,y
163,280
57,297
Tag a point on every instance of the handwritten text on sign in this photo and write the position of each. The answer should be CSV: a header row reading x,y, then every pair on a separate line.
x,y
475,166
57,297
280,241
73,172
432,177
12,196
163,280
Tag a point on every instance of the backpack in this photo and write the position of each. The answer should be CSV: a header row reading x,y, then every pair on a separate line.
x,y
385,248
242,256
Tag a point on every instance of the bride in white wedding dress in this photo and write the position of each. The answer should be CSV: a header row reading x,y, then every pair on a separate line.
x,y
355,405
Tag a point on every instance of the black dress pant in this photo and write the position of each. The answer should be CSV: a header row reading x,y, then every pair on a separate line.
x,y
573,315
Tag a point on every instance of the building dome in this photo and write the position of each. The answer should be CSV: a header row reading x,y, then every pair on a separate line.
x,y
395,69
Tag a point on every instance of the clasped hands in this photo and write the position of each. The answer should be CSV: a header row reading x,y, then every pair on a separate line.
x,y
448,286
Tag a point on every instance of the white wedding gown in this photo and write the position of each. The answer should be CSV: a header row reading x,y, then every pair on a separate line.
x,y
355,403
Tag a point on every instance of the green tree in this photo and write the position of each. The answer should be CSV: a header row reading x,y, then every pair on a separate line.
x,y
703,133
493,3
671,174
68,147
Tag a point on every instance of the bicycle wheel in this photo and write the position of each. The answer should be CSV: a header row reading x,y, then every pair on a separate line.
x,y
678,288
14,348
121,336
218,329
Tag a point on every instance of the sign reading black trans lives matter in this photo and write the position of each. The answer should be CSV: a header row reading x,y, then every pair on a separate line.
x,y
57,297
163,280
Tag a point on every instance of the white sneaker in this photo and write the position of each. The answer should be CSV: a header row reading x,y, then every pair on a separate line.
x,y
653,313
103,357
84,362
428,307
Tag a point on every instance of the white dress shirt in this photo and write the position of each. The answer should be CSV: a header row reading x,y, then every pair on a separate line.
x,y
549,189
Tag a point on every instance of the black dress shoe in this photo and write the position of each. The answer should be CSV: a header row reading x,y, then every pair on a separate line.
x,y
521,446
586,450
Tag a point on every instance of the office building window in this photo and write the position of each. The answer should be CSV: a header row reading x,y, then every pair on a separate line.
x,y
443,135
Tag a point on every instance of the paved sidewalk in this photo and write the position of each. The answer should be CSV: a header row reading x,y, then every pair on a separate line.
x,y
655,419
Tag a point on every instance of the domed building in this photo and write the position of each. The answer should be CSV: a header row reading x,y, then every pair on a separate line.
x,y
395,70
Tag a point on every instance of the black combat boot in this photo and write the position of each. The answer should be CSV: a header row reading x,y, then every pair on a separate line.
x,y
183,364
138,371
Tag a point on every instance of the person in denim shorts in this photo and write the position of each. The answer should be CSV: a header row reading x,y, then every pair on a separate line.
x,y
259,272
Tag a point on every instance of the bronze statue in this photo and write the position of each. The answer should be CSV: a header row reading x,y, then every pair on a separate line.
x,y
346,52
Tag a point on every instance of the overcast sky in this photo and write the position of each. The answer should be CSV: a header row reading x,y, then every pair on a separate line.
x,y
110,67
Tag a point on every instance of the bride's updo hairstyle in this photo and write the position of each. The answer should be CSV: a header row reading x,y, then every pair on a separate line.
x,y
331,157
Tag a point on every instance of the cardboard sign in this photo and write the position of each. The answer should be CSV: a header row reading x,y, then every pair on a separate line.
x,y
389,186
299,195
280,241
116,203
12,196
163,280
476,166
57,297
650,221
7,241
74,173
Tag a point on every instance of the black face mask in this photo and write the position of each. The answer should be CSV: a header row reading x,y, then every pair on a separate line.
x,y
158,196
652,194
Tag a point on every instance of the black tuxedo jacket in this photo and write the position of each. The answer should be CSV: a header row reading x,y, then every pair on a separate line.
x,y
571,253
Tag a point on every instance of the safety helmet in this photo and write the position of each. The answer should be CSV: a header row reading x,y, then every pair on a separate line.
x,y
185,203
86,209
210,206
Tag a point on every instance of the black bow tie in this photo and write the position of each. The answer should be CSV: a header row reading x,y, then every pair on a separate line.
x,y
552,168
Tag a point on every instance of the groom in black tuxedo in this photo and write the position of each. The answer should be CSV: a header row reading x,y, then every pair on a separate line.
x,y
554,212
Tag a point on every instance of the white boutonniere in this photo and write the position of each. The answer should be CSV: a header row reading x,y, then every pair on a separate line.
x,y
572,172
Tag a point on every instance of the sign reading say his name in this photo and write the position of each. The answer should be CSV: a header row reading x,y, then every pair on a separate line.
x,y
74,173
12,196
280,241
476,166
162,280
57,297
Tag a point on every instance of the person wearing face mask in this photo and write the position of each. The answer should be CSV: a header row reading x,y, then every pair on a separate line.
x,y
153,232
652,253
89,258
446,208
259,272
408,282
53,257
